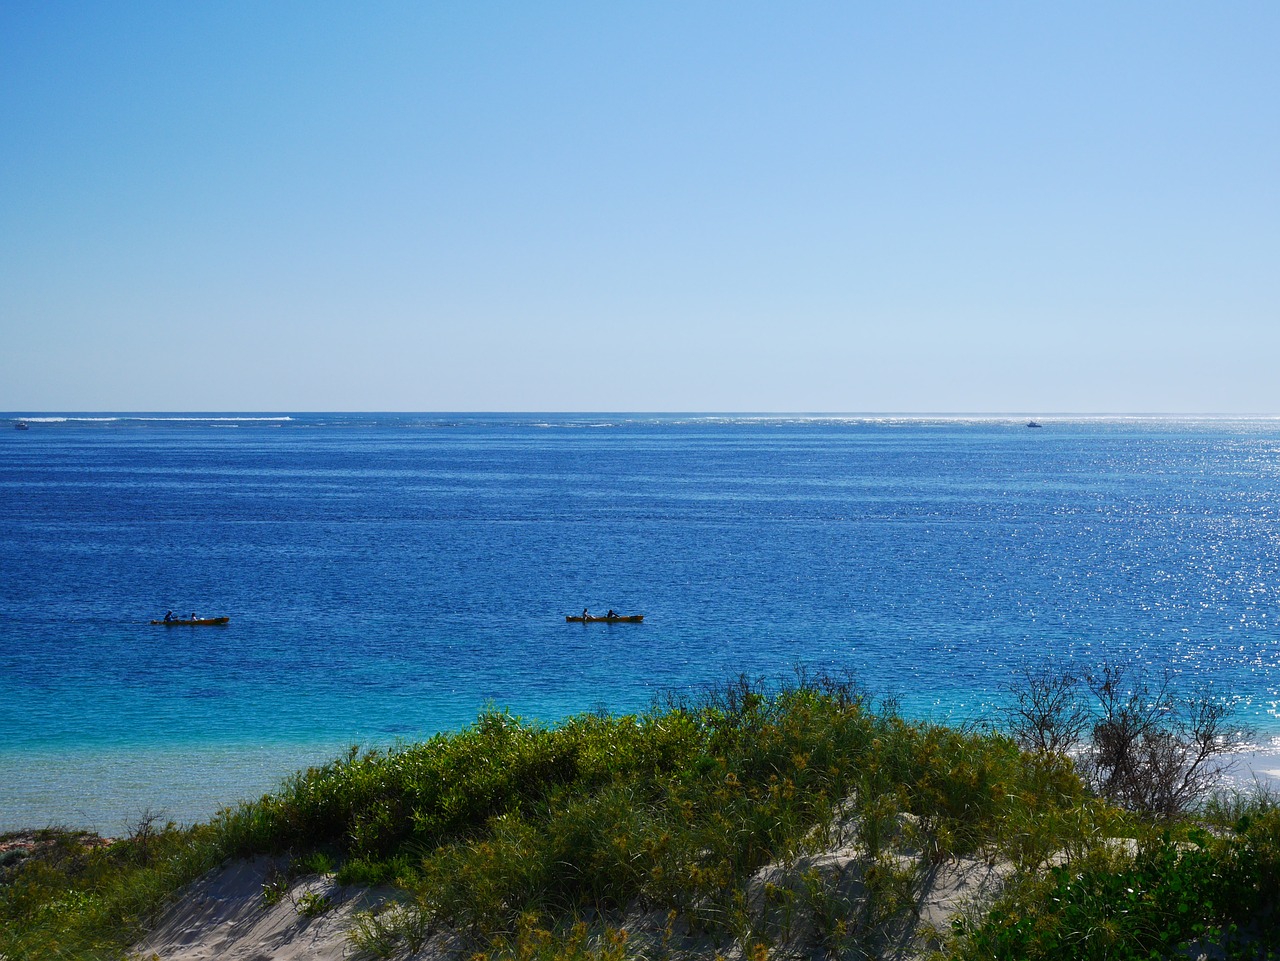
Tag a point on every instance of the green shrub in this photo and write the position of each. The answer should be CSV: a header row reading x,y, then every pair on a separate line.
x,y
1173,894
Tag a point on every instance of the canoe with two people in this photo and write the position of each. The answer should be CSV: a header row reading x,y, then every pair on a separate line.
x,y
613,617
171,620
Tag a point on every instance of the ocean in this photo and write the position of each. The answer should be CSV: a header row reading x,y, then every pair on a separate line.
x,y
390,576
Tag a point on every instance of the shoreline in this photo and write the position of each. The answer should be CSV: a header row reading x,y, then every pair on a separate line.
x,y
1258,765
108,790
215,778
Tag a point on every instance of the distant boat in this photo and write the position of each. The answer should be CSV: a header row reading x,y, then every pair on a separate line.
x,y
1032,423
20,425
605,619
197,622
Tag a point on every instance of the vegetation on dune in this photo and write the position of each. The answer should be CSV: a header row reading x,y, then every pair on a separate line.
x,y
706,825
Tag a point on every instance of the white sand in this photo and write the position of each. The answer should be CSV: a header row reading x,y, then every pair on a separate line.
x,y
223,917
1259,767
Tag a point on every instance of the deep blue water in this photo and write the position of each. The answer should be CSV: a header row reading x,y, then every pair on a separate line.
x,y
388,576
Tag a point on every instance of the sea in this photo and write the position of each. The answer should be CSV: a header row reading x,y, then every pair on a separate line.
x,y
391,576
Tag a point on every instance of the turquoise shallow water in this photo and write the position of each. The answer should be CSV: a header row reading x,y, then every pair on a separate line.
x,y
388,576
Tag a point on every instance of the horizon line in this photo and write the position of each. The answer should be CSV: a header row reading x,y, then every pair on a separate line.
x,y
273,413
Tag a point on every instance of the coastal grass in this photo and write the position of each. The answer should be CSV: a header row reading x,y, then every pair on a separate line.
x,y
700,826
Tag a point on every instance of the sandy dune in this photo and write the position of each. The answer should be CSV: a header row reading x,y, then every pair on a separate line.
x,y
224,917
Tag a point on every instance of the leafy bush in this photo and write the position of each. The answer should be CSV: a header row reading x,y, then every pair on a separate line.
x,y
1175,894
374,804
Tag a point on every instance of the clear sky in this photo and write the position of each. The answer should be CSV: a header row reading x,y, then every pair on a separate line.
x,y
655,206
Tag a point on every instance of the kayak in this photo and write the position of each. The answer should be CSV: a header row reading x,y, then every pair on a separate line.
x,y
605,619
198,622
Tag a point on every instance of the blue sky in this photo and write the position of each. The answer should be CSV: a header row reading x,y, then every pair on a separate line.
x,y
661,206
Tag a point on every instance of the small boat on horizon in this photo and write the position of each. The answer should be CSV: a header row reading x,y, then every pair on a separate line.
x,y
1032,423
21,425
194,622
605,619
